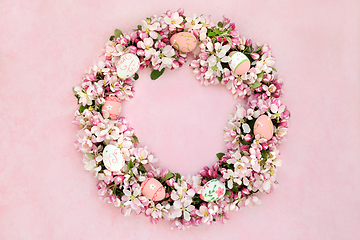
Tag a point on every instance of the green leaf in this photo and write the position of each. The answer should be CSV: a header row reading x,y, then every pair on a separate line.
x,y
227,193
82,108
136,76
220,24
274,69
155,74
229,40
130,165
111,37
259,48
219,78
135,138
255,84
211,34
260,75
139,27
142,168
90,155
220,155
178,176
117,33
235,189
168,176
217,31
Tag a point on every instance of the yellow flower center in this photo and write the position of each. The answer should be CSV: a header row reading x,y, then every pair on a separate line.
x,y
132,198
173,22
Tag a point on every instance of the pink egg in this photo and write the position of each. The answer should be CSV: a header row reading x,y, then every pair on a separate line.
x,y
183,41
112,107
264,126
239,63
153,189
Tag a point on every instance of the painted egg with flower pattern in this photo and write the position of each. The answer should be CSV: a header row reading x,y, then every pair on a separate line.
x,y
183,41
113,159
213,190
153,189
128,65
264,126
239,63
111,108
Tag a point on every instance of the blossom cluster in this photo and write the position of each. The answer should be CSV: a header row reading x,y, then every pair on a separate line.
x,y
250,162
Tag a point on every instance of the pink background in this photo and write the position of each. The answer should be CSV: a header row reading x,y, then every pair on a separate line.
x,y
45,46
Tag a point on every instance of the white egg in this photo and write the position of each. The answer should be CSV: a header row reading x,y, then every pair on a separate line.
x,y
112,158
128,65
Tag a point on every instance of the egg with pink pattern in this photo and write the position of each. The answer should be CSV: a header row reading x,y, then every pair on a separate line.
x,y
111,108
113,158
264,126
213,190
183,41
128,65
153,189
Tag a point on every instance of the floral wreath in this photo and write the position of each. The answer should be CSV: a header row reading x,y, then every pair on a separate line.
x,y
124,168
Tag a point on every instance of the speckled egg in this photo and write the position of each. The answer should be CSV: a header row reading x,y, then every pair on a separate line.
x,y
239,63
213,190
183,41
153,189
128,65
111,108
112,158
264,126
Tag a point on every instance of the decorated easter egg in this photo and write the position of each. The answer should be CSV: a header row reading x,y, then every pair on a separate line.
x,y
264,126
239,63
128,65
153,189
213,190
183,41
112,107
112,158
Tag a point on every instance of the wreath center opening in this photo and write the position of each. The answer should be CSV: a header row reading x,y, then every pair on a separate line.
x,y
179,119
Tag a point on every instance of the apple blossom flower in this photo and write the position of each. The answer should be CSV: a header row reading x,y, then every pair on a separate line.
x,y
231,178
164,58
183,208
173,21
203,212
